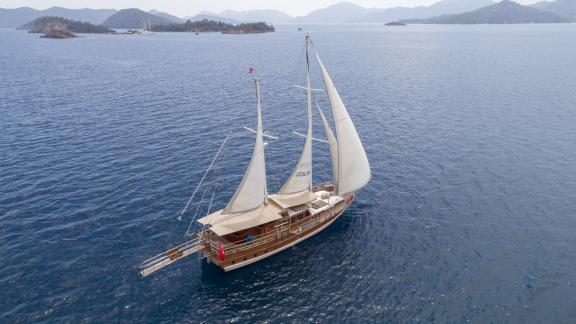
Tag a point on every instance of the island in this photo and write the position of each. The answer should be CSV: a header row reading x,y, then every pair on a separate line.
x,y
250,28
205,25
58,27
395,23
58,34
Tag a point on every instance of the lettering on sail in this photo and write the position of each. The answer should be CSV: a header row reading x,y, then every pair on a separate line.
x,y
303,173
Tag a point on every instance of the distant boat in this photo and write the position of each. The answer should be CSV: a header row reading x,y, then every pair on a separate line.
x,y
147,30
255,224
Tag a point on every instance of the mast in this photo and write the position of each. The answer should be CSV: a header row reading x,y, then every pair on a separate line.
x,y
252,191
301,177
353,168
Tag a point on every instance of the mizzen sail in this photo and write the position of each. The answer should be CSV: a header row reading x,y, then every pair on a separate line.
x,y
353,167
252,191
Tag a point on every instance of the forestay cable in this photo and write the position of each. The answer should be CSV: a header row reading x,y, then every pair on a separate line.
x,y
204,176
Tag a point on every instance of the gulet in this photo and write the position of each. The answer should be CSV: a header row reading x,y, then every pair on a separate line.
x,y
255,224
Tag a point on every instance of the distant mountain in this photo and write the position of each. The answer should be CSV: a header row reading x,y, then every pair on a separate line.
x,y
270,16
564,8
212,17
339,13
444,7
504,12
18,17
167,16
134,18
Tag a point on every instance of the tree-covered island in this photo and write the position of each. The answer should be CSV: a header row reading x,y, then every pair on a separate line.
x,y
203,26
58,27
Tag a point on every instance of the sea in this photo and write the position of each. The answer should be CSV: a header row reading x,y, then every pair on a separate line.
x,y
470,215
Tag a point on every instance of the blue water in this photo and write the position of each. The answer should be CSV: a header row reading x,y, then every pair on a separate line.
x,y
470,215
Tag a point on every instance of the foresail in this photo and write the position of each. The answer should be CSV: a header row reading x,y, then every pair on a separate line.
x,y
252,191
353,167
301,177
333,146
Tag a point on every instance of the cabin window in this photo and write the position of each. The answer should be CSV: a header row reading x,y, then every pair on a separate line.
x,y
300,217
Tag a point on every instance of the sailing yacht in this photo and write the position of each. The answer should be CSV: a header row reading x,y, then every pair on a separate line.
x,y
147,30
255,224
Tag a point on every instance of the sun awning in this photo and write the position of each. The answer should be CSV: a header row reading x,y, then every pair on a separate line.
x,y
224,224
291,200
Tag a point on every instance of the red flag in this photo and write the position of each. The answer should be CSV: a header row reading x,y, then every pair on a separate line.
x,y
221,251
250,70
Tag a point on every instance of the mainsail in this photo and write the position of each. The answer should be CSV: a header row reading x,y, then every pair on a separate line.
x,y
353,167
301,177
252,191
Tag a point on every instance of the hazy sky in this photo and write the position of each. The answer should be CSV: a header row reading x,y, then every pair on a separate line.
x,y
191,7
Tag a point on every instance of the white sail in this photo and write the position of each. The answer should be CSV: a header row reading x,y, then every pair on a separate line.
x,y
353,167
301,177
333,146
252,191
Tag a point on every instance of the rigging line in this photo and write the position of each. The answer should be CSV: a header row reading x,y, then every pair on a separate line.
x,y
313,138
211,200
214,184
311,89
196,212
209,207
274,174
220,168
203,177
320,109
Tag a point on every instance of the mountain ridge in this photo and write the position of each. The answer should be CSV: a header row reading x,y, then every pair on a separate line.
x,y
268,15
134,18
503,12
340,12
564,8
12,18
168,16
444,7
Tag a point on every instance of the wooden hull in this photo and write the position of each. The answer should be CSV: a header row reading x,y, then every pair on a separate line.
x,y
289,236
252,244
282,247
